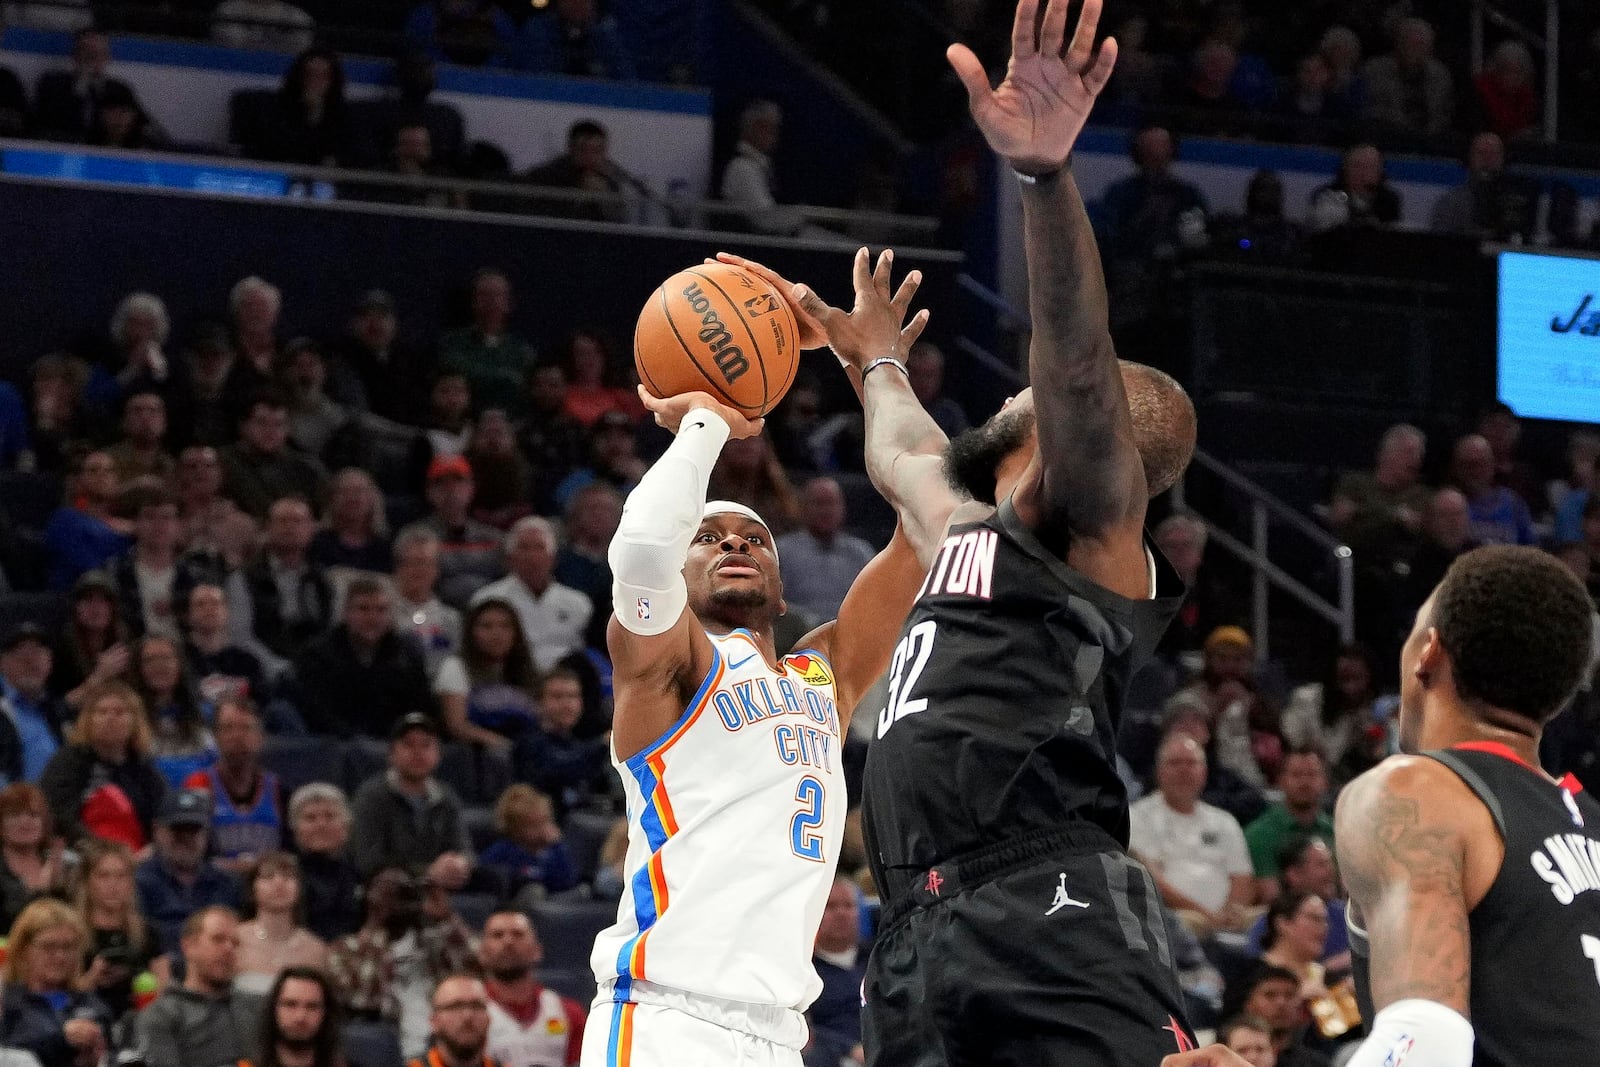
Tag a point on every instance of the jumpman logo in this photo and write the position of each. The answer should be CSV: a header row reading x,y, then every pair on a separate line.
x,y
1064,899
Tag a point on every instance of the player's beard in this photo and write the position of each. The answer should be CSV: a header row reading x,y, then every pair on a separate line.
x,y
972,459
743,597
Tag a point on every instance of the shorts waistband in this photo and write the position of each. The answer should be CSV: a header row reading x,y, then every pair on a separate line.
x,y
920,889
769,1022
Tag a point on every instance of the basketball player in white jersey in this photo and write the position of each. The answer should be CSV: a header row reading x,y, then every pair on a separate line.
x,y
730,754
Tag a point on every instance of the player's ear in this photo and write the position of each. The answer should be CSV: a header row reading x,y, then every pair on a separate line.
x,y
1431,658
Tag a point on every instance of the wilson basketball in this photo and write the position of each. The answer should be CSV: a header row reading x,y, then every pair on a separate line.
x,y
718,329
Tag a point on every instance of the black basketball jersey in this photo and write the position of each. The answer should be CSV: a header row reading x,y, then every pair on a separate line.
x,y
1536,933
1003,702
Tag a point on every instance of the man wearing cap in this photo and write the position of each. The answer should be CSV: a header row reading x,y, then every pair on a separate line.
x,y
178,880
469,550
553,616
393,374
1226,689
30,718
405,816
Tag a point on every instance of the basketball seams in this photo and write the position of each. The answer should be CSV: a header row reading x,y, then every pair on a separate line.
x,y
738,313
641,365
716,387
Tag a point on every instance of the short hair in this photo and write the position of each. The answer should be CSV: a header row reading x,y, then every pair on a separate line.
x,y
1401,431
584,128
479,276
241,704
1340,35
1310,748
142,739
151,496
365,585
514,804
758,111
141,304
1413,24
1226,1031
1183,520
197,922
1518,628
1293,851
267,397
43,914
317,793
1163,424
413,535
557,673
530,523
252,284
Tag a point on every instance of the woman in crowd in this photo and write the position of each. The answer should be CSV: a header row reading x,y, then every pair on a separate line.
x,y
487,692
43,1012
1297,931
30,855
357,531
273,938
309,123
330,885
93,648
1331,714
591,390
120,945
182,744
103,782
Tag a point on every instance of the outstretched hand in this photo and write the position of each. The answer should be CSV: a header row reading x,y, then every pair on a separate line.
x,y
669,413
1034,117
812,335
874,328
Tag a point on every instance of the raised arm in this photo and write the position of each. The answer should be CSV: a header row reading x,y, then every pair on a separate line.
x,y
1089,483
1402,832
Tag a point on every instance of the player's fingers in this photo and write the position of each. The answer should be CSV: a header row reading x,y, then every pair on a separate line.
x,y
861,273
881,273
1095,78
908,289
973,77
814,305
1083,39
913,330
1053,33
1024,31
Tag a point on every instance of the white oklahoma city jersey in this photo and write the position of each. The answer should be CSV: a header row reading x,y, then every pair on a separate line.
x,y
735,819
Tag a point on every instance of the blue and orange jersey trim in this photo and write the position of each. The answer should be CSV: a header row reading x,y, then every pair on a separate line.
x,y
619,1045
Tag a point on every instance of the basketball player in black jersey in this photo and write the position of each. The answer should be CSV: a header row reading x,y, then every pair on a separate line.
x,y
1474,877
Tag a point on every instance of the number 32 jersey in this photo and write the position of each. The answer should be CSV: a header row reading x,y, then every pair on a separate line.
x,y
1004,697
735,820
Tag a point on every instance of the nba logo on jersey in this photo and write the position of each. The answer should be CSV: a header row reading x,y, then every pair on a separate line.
x,y
1400,1051
644,608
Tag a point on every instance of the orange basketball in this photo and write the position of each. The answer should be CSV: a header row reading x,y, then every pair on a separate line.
x,y
718,329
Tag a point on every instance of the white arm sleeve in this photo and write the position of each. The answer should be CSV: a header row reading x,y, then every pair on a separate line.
x,y
1422,1033
658,524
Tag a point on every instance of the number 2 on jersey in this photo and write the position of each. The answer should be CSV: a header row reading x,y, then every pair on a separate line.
x,y
910,659
803,836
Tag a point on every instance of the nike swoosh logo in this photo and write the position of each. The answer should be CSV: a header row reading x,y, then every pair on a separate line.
x,y
741,663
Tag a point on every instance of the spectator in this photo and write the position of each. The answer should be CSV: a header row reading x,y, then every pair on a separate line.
x,y
56,409
822,559
30,717
182,743
407,817
448,421
134,363
487,692
613,459
553,616
1226,692
204,1022
499,472
302,1025
1330,715
391,371
1491,203
417,610
1140,215
1505,91
141,452
1340,48
1140,75
1311,96
1375,509
472,33
221,670
460,1025
309,121
247,818
43,1011
529,850
925,367
120,946
273,938
1271,994
361,677
413,156
1569,495
30,856
835,1016
1359,195
1409,89
1251,1039
591,391
330,883
551,756
416,76
1209,602
102,781
120,121
314,417
65,101
264,25
284,600
1497,515
153,579
582,564
212,524
469,550
356,533
552,440
748,471
585,165
92,649
748,180
84,533
1211,79
1500,427
573,38
255,305
1446,534
529,1023
406,946
1195,852
1305,865
1296,933
67,16
1303,783
209,360
178,882
261,467
608,879
494,361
